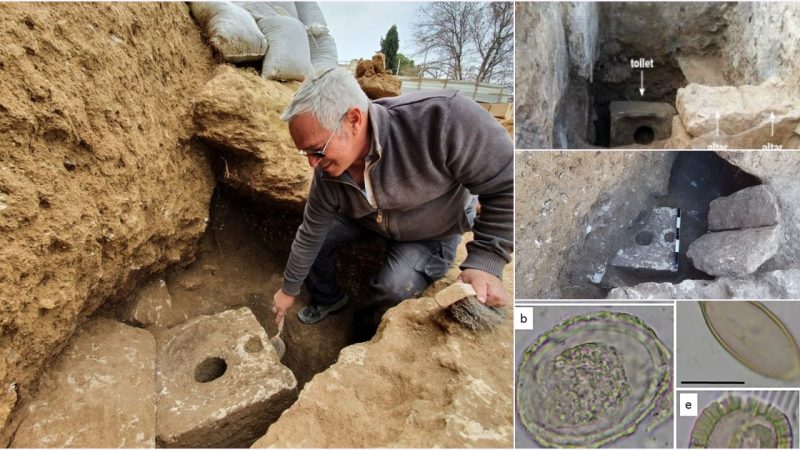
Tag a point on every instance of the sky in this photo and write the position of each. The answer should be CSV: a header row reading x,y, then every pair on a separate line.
x,y
359,26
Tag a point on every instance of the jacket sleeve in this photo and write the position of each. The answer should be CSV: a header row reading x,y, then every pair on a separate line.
x,y
319,214
481,157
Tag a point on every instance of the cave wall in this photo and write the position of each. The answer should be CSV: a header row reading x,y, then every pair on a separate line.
x,y
763,40
100,185
554,41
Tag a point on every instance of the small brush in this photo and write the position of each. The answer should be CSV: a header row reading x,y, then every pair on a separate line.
x,y
460,303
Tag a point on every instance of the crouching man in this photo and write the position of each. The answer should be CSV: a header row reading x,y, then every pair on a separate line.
x,y
407,169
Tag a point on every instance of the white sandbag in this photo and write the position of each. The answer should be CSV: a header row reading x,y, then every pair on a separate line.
x,y
231,30
288,57
323,52
289,7
311,15
258,10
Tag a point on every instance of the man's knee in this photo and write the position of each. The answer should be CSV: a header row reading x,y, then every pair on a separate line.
x,y
397,284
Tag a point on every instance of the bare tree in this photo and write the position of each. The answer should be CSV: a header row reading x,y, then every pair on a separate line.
x,y
493,36
466,40
443,32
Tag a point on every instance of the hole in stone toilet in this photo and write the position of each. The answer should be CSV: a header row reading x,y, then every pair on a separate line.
x,y
644,237
253,345
644,135
210,369
669,236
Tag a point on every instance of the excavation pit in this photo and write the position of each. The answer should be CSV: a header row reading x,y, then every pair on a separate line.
x,y
625,243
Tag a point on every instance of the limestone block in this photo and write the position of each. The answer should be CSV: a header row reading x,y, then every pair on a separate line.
x,y
778,284
752,207
100,392
653,243
239,112
739,108
765,165
152,306
220,382
734,253
640,122
380,86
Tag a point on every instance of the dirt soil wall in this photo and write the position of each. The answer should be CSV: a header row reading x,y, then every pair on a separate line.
x,y
99,185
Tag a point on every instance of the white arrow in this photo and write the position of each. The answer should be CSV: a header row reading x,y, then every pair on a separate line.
x,y
716,116
641,86
772,124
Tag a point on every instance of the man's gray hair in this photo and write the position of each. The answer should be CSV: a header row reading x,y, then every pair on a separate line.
x,y
327,97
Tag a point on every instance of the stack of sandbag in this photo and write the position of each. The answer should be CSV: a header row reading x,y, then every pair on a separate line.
x,y
321,43
292,38
231,30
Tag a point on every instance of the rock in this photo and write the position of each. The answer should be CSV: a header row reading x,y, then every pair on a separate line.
x,y
779,171
778,284
375,80
752,207
220,383
109,88
542,64
380,86
765,165
762,40
652,247
239,112
702,69
734,253
100,392
151,306
740,109
418,383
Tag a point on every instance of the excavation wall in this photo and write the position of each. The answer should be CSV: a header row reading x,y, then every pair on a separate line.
x,y
575,59
99,184
763,40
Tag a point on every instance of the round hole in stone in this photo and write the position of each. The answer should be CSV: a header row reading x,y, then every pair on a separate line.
x,y
669,236
644,238
253,345
644,135
210,369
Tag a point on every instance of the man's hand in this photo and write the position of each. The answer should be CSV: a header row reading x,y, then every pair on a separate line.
x,y
281,303
489,288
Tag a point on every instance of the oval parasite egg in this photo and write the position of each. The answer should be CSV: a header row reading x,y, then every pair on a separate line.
x,y
755,336
592,379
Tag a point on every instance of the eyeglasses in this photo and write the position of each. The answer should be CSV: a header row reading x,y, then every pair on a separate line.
x,y
320,153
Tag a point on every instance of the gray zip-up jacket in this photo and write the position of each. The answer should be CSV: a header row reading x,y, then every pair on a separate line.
x,y
430,151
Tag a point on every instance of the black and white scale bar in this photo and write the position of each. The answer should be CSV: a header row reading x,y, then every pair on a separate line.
x,y
712,382
678,239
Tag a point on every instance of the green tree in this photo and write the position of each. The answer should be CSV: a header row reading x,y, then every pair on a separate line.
x,y
407,66
389,46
